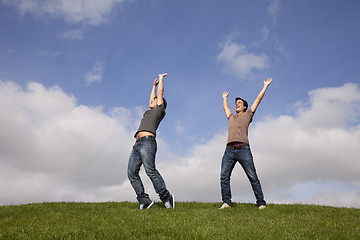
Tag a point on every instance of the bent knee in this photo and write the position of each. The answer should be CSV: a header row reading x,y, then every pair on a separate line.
x,y
153,173
224,178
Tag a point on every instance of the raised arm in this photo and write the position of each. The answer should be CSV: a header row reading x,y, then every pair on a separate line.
x,y
160,90
153,91
225,104
261,95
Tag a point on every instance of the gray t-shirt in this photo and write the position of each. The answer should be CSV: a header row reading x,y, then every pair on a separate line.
x,y
151,119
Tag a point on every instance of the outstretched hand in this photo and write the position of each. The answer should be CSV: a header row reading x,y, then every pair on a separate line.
x,y
161,75
225,94
268,81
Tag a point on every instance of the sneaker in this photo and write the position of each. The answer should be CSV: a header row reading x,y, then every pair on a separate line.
x,y
262,207
171,202
225,205
146,205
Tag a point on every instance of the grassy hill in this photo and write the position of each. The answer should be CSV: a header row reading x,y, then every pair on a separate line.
x,y
190,220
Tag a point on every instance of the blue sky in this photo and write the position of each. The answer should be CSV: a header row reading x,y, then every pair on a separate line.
x,y
85,70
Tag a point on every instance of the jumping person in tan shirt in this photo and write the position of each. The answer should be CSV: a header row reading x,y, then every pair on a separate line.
x,y
238,147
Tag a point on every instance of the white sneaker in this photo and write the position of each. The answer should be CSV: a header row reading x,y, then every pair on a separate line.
x,y
171,202
262,207
146,206
225,205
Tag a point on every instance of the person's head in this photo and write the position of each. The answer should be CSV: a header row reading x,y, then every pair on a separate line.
x,y
154,102
240,105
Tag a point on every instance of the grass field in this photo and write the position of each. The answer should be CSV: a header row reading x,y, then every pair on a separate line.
x,y
190,220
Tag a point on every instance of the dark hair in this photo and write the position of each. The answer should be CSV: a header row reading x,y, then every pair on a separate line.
x,y
165,103
244,102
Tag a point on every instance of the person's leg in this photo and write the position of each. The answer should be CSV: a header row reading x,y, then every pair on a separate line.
x,y
134,177
246,160
148,152
227,166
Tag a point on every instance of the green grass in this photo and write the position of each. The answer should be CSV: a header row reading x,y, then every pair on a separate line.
x,y
190,220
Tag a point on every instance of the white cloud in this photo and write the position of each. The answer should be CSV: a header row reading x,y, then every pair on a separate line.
x,y
274,8
95,75
239,61
335,107
73,34
88,12
49,54
179,127
52,149
319,144
264,34
283,51
336,198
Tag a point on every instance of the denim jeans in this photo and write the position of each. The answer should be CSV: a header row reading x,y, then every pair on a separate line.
x,y
245,158
143,153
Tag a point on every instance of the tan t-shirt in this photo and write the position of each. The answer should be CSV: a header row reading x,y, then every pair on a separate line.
x,y
238,127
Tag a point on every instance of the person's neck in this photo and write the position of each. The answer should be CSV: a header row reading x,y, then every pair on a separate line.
x,y
240,112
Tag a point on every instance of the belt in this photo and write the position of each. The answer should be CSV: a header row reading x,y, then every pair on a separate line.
x,y
145,138
236,145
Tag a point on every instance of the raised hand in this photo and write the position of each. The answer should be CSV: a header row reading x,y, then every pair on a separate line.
x,y
268,81
162,75
225,94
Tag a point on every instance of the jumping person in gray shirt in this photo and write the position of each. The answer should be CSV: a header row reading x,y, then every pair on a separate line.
x,y
144,150
238,148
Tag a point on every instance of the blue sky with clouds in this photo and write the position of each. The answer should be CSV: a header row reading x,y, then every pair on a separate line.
x,y
75,78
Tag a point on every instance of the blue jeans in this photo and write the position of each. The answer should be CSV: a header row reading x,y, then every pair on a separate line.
x,y
143,153
245,158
